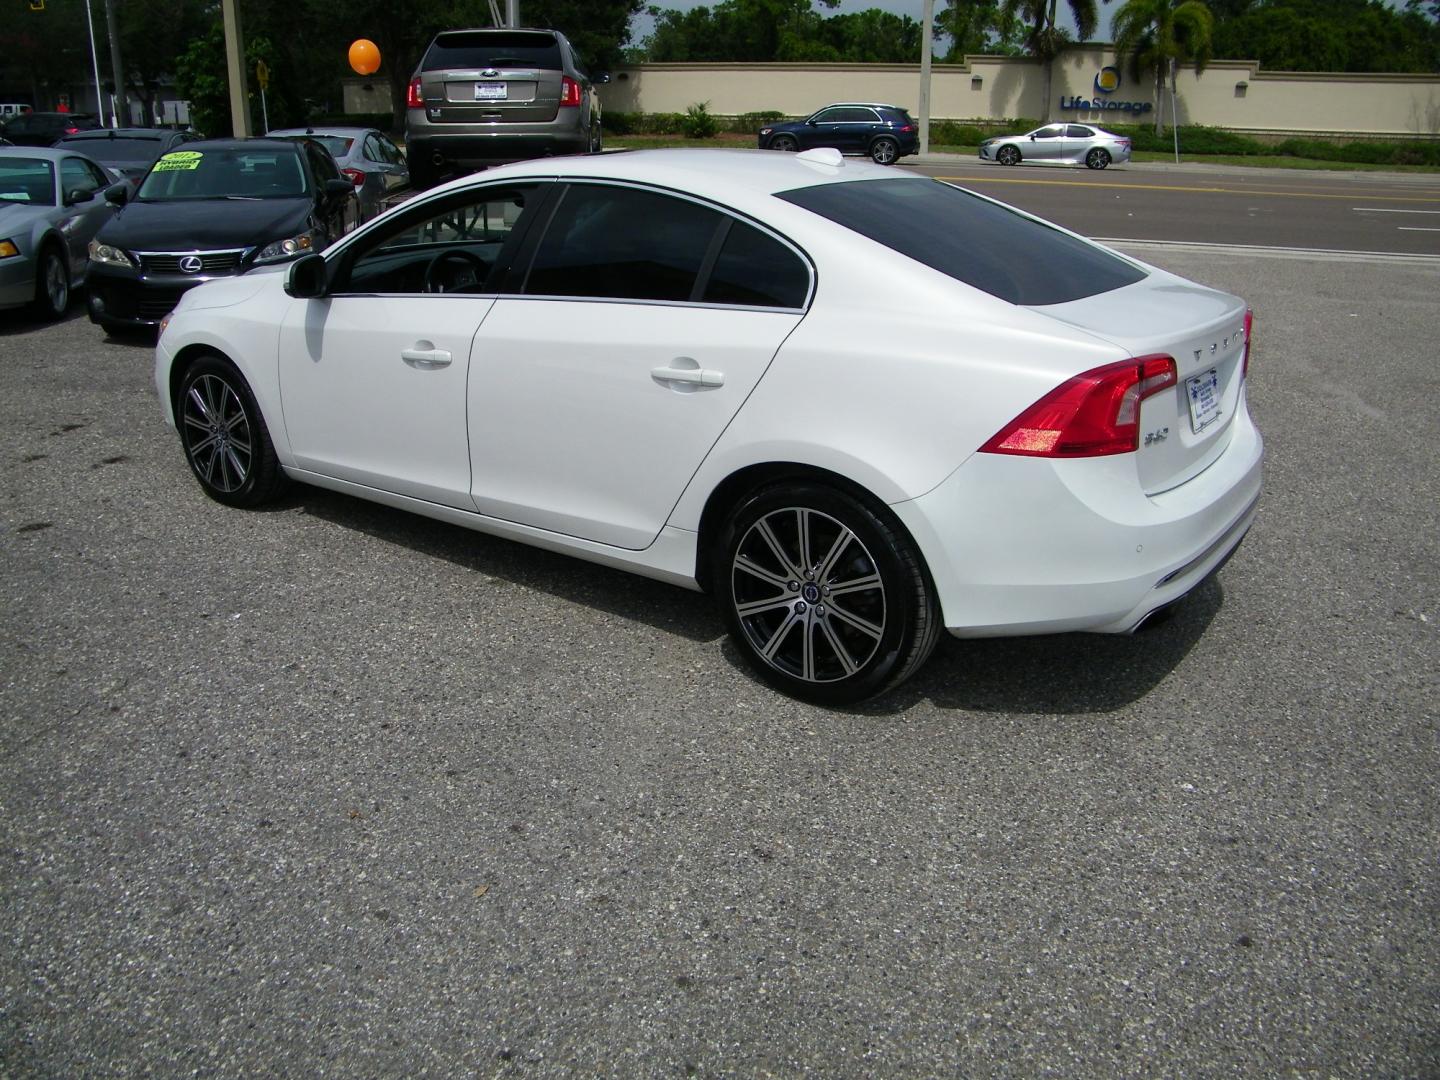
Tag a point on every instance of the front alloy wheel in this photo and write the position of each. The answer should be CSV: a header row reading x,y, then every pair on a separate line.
x,y
1008,155
52,284
784,143
1097,159
224,435
824,595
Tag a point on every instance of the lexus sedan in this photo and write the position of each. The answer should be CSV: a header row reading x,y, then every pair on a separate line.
x,y
884,133
215,208
856,407
1059,144
50,208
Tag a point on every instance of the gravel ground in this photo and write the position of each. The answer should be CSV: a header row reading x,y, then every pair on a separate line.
x,y
334,791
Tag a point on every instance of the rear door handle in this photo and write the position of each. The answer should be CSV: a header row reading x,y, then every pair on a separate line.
x,y
689,376
425,356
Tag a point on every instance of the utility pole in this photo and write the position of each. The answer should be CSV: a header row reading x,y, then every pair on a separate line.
x,y
512,13
927,38
235,69
120,109
95,61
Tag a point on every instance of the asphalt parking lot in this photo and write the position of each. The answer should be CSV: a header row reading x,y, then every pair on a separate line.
x,y
334,791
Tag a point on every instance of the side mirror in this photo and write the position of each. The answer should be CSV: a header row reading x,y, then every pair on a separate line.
x,y
1032,138
305,279
78,195
335,189
118,194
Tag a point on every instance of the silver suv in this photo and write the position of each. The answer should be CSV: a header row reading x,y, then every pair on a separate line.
x,y
485,97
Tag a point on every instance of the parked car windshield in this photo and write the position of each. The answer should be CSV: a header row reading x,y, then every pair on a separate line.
x,y
226,173
487,48
984,244
27,180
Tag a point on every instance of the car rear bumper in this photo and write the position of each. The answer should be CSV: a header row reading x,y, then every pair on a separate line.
x,y
468,148
1031,546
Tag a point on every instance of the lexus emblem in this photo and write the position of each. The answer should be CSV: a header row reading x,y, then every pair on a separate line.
x,y
192,264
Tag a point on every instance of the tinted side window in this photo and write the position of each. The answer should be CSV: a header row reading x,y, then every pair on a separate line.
x,y
756,269
323,164
75,176
1075,131
981,243
618,242
1050,133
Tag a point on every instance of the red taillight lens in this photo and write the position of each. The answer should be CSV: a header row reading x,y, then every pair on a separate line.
x,y
906,129
1091,415
71,130
569,91
355,176
1249,324
413,100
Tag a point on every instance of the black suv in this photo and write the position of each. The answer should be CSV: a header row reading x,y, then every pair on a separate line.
x,y
45,128
885,132
485,97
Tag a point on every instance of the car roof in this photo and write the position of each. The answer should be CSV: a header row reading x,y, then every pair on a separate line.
x,y
47,153
238,144
123,133
716,174
347,132
862,105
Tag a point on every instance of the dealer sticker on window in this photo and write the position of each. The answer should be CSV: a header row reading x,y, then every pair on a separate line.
x,y
178,160
1204,394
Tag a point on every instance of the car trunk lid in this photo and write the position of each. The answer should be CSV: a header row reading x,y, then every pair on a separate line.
x,y
1183,428
485,76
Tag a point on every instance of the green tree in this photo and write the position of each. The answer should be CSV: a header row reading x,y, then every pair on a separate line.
x,y
979,26
152,36
1332,35
748,31
48,51
1044,39
1159,35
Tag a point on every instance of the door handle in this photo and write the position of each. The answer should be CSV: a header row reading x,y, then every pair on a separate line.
x,y
425,356
690,376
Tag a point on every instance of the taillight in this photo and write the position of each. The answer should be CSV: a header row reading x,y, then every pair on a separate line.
x,y
355,176
1091,415
71,130
1249,323
413,99
906,129
569,91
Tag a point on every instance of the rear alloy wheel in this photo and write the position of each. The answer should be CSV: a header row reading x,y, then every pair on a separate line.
x,y
824,593
784,143
224,435
52,284
1097,158
1008,155
884,151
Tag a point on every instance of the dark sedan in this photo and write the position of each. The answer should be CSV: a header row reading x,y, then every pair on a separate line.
x,y
885,133
127,151
44,129
213,209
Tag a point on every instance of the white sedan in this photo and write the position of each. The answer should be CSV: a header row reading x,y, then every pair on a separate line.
x,y
855,406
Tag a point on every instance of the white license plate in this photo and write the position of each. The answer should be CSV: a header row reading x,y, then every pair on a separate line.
x,y
1203,391
490,91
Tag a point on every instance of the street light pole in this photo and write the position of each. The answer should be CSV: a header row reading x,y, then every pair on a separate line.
x,y
95,61
120,106
927,38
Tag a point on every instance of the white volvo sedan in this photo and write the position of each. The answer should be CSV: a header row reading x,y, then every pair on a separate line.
x,y
855,406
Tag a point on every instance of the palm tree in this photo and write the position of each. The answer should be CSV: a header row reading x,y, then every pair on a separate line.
x,y
1043,39
1159,35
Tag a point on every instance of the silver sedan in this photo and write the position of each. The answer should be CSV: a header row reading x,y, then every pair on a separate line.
x,y
367,158
1059,144
51,207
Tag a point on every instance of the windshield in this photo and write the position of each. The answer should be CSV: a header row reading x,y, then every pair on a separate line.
x,y
971,239
138,150
27,180
489,48
226,173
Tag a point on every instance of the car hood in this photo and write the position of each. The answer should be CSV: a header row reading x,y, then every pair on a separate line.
x,y
205,224
18,217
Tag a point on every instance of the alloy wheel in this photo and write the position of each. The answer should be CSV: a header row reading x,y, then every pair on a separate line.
x,y
218,439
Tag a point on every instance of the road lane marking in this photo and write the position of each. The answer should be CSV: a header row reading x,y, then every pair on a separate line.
x,y
1316,254
962,180
1413,228
1390,210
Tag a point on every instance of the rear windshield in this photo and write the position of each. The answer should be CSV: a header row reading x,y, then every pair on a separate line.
x,y
338,145
991,247
490,48
121,149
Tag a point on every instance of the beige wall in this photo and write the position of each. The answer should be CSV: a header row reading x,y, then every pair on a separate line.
x,y
994,88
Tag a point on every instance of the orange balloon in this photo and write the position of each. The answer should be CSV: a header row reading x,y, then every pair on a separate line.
x,y
364,57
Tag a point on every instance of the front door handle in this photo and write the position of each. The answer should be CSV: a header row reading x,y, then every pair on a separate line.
x,y
690,376
425,356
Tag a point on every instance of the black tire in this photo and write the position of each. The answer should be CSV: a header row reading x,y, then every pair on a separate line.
x,y
784,143
884,151
1008,155
1097,158
786,620
226,441
52,284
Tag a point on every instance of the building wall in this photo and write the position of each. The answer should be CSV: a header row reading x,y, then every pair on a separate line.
x,y
1234,94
